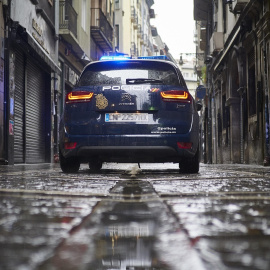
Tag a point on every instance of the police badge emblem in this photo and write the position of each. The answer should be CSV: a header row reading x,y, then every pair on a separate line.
x,y
101,101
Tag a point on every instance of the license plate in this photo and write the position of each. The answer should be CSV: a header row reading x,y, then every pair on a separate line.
x,y
126,117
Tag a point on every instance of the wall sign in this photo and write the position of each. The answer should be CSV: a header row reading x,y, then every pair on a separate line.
x,y
38,35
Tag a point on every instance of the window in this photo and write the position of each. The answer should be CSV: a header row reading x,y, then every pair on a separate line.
x,y
117,4
118,73
84,15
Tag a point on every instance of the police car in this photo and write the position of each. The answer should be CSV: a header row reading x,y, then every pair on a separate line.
x,y
129,110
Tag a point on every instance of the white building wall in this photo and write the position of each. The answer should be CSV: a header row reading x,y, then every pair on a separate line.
x,y
190,77
231,21
128,33
83,35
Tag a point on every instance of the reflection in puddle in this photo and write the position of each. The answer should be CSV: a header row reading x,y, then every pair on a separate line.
x,y
132,230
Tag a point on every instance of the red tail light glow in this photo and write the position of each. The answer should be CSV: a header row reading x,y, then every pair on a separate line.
x,y
70,145
176,95
184,145
79,96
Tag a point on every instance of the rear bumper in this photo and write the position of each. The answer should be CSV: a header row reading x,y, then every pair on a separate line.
x,y
128,153
130,148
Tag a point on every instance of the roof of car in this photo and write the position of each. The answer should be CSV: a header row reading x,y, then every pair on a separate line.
x,y
159,58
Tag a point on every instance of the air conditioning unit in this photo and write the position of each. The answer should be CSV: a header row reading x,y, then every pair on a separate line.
x,y
239,5
216,42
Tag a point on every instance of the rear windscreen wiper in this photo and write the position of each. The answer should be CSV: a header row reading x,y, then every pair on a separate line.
x,y
141,80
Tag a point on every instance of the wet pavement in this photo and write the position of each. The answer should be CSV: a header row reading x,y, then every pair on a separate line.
x,y
131,218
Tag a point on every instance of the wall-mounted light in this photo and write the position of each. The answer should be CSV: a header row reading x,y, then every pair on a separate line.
x,y
208,59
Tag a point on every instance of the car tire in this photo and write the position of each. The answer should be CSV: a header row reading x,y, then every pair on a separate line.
x,y
95,166
69,165
190,165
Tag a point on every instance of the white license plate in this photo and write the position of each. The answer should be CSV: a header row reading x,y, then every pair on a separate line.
x,y
126,117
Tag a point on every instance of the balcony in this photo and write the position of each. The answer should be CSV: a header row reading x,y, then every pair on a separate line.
x,y
133,15
239,5
145,39
139,32
117,5
154,31
101,30
201,9
133,49
152,13
68,22
149,3
135,24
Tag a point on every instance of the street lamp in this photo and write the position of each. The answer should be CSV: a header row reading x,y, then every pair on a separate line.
x,y
181,62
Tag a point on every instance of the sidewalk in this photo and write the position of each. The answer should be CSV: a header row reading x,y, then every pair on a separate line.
x,y
28,167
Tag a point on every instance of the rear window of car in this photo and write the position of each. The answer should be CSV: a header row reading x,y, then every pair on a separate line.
x,y
119,72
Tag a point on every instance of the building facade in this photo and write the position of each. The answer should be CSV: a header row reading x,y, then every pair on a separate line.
x,y
30,60
73,34
235,41
2,89
102,28
191,78
45,44
45,47
133,35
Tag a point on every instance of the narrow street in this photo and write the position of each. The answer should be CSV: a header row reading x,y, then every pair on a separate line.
x,y
131,218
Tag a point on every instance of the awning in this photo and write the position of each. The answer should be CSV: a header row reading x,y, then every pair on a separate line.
x,y
29,44
42,53
228,47
201,9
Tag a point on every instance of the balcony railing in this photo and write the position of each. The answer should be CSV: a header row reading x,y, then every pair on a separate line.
x,y
133,49
239,5
134,16
101,30
139,32
67,17
145,39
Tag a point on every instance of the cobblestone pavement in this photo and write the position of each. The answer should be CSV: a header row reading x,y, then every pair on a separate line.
x,y
131,218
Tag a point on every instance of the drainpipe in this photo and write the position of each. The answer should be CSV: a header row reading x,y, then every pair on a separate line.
x,y
240,63
209,122
209,85
266,161
56,84
7,141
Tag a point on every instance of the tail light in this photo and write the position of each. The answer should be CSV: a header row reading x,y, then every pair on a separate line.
x,y
176,95
79,96
184,145
70,145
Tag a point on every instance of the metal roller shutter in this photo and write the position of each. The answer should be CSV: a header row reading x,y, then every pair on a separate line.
x,y
35,114
19,96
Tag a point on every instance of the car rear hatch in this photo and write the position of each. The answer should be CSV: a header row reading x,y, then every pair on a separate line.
x,y
129,97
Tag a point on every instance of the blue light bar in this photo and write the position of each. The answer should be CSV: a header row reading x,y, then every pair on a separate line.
x,y
158,57
114,57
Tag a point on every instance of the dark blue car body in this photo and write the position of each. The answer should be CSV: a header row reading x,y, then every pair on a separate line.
x,y
133,110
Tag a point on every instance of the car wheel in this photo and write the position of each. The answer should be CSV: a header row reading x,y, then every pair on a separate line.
x,y
95,166
190,165
69,165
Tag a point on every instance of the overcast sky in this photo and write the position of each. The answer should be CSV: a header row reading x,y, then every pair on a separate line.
x,y
175,25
